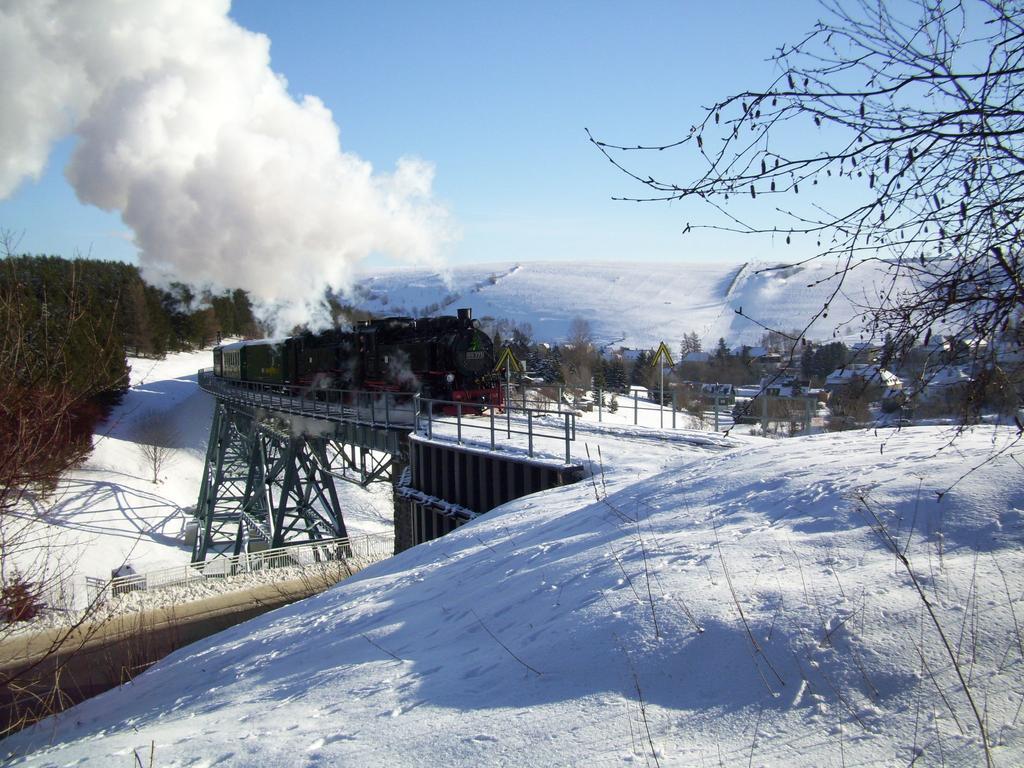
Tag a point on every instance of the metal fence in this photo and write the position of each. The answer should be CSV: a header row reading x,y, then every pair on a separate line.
x,y
528,423
377,408
530,427
530,417
355,553
561,398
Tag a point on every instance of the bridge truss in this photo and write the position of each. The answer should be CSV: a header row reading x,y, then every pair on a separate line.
x,y
270,470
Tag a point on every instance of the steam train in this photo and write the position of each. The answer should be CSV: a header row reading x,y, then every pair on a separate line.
x,y
443,358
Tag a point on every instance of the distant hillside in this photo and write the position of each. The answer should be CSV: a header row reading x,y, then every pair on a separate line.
x,y
635,304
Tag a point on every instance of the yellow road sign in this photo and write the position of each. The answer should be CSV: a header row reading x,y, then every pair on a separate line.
x,y
508,359
663,355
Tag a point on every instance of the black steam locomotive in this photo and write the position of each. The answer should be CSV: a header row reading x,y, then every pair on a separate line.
x,y
444,358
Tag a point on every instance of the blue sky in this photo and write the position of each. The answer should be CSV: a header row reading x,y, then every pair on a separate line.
x,y
496,96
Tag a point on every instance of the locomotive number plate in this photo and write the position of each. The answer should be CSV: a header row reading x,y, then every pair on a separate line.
x,y
474,355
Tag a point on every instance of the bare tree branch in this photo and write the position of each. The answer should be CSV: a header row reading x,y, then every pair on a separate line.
x,y
895,136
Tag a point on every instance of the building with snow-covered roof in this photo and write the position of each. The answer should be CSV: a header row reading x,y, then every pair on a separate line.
x,y
632,355
754,353
696,357
945,386
862,375
722,394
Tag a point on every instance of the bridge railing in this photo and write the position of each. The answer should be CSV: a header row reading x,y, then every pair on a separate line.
x,y
638,406
530,426
356,553
371,407
535,429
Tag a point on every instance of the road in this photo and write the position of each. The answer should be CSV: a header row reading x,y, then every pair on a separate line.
x,y
49,671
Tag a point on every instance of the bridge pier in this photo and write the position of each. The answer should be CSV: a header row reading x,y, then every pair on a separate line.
x,y
263,486
269,477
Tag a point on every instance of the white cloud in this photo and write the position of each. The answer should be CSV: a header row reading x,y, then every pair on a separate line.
x,y
184,129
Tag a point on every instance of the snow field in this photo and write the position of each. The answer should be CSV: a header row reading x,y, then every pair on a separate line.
x,y
719,601
108,513
633,304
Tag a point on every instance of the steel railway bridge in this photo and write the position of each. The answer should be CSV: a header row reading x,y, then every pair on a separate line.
x,y
275,454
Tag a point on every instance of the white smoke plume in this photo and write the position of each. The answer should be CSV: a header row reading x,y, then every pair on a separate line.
x,y
183,128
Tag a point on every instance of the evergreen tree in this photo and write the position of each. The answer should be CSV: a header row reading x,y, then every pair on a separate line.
x,y
828,358
205,327
555,366
224,314
135,323
161,330
520,343
616,375
638,376
722,353
690,343
600,376
807,361
244,319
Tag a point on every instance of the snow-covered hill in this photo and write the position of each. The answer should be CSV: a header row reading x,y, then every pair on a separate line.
x,y
109,512
732,603
633,304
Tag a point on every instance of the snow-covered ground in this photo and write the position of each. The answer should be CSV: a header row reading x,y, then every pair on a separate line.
x,y
700,599
108,512
632,303
719,601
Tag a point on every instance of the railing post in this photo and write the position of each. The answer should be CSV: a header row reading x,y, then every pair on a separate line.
x,y
416,413
492,429
600,404
567,455
458,422
529,433
636,408
387,410
430,419
661,396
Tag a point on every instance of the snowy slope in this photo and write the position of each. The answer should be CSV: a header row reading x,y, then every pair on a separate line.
x,y
719,605
108,512
632,304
